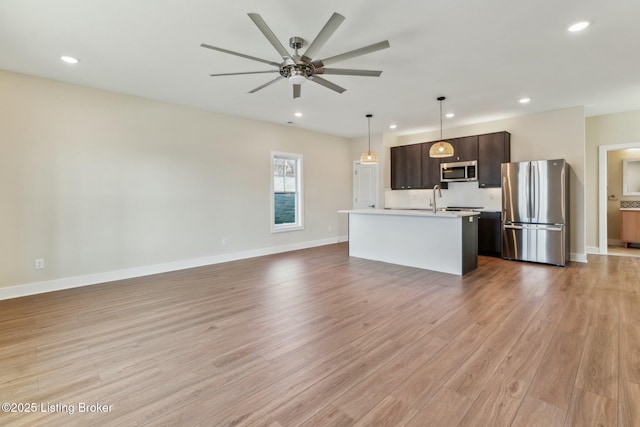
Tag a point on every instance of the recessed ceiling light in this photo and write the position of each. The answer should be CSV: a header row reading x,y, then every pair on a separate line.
x,y
393,126
69,59
298,114
524,100
578,26
449,115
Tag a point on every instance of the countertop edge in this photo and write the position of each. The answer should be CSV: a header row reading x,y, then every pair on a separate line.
x,y
410,212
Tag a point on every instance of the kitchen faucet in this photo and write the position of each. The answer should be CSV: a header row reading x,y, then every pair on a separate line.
x,y
436,187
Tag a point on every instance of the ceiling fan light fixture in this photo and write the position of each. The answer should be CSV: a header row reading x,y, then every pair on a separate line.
x,y
369,157
297,77
441,148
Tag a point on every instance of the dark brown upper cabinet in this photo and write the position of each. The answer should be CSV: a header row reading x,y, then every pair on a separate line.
x,y
431,168
493,150
406,167
464,149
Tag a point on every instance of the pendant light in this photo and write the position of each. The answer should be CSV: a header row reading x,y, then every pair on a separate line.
x,y
369,157
441,148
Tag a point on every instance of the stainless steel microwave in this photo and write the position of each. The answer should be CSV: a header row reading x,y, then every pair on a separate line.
x,y
459,171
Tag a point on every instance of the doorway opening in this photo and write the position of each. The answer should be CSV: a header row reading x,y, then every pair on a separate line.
x,y
603,200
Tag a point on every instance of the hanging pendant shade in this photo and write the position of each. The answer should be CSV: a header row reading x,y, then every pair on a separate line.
x,y
369,157
442,148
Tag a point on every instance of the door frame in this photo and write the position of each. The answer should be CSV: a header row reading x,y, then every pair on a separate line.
x,y
602,191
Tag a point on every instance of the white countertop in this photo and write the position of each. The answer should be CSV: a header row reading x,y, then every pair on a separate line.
x,y
630,209
411,212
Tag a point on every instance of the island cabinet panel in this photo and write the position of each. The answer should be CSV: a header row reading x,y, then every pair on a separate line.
x,y
493,150
438,241
489,234
406,167
464,149
430,168
630,227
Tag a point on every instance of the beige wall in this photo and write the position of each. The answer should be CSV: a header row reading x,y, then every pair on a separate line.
x,y
550,135
605,130
94,181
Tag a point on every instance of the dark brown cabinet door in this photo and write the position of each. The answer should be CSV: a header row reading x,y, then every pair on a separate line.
x,y
489,234
406,167
430,168
397,168
464,149
493,150
414,165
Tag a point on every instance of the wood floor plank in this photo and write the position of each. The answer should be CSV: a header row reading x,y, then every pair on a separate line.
x,y
329,416
536,413
447,407
556,375
497,404
471,377
630,341
629,410
598,369
314,337
590,409
389,412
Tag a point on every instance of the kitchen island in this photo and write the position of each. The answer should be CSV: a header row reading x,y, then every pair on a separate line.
x,y
439,241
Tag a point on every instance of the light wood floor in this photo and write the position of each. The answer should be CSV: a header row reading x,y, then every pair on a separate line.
x,y
315,338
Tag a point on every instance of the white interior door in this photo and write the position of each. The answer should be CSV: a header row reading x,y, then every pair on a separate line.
x,y
365,186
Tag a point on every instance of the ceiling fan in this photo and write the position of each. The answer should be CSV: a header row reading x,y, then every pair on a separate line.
x,y
299,68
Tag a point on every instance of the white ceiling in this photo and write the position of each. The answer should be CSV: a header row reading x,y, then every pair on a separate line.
x,y
482,55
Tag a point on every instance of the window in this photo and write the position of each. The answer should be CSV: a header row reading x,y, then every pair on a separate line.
x,y
286,190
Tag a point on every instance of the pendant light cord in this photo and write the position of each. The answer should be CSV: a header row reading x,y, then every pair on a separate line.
x,y
440,120
369,127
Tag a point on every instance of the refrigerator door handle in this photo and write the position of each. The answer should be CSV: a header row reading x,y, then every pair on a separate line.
x,y
532,227
528,187
513,227
535,183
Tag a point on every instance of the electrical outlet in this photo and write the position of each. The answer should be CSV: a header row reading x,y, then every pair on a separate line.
x,y
330,229
225,241
39,264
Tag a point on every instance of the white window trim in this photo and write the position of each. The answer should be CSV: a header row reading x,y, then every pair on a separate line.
x,y
299,225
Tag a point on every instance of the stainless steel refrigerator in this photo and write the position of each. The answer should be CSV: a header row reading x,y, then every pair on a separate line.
x,y
535,211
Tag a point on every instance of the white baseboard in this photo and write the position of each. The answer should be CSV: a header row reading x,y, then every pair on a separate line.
x,y
129,273
578,257
593,250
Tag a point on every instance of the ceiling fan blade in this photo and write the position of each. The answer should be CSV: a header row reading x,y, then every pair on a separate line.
x,y
348,72
352,54
266,84
296,91
264,28
327,84
246,72
329,28
241,55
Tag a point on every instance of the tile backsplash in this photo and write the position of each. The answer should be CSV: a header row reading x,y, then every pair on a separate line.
x,y
458,194
630,204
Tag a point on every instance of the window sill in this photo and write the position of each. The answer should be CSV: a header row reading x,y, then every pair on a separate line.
x,y
285,228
